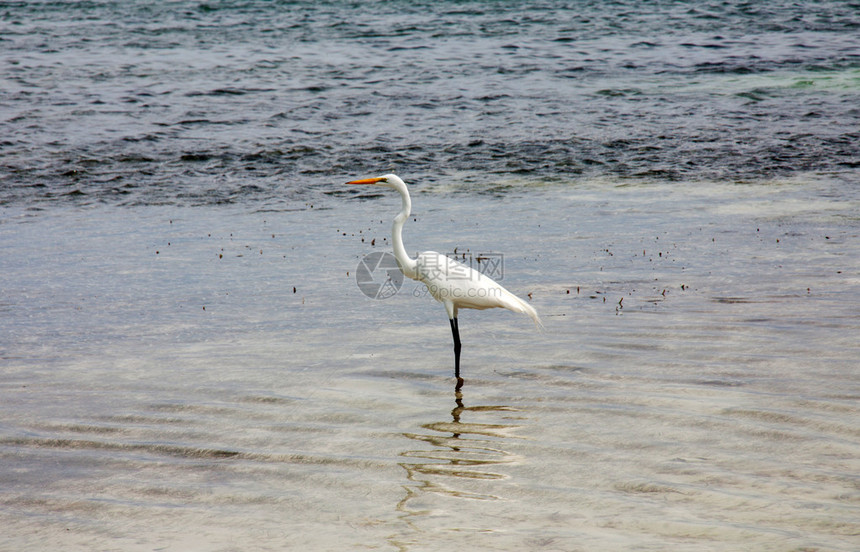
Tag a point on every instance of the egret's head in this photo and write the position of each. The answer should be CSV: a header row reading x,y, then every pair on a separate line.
x,y
388,180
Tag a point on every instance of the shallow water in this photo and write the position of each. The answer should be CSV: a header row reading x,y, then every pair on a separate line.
x,y
695,387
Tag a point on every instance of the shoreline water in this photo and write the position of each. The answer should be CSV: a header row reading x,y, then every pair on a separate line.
x,y
159,371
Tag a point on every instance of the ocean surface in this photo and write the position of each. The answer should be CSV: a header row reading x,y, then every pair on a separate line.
x,y
139,103
188,361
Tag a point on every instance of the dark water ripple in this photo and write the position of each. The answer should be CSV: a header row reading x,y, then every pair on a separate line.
x,y
198,103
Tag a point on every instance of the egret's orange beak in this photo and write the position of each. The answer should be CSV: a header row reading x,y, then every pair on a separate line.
x,y
367,181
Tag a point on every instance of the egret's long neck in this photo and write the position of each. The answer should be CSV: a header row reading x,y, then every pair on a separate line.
x,y
408,265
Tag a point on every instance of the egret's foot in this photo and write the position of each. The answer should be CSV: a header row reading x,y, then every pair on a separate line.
x,y
460,382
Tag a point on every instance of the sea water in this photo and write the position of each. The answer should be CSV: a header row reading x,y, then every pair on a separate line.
x,y
187,361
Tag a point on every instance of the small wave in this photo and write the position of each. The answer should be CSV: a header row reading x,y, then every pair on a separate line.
x,y
268,399
155,448
195,157
720,67
707,45
645,487
228,91
181,451
619,92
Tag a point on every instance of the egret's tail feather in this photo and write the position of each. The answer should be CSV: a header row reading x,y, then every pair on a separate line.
x,y
516,304
530,310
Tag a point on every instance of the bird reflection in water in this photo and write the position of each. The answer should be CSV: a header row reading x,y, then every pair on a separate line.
x,y
461,459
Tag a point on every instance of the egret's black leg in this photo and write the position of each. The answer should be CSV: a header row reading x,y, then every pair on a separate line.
x,y
455,329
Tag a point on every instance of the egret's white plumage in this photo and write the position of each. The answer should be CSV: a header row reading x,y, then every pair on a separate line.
x,y
452,283
456,286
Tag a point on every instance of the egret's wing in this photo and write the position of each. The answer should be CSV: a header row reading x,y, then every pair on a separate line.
x,y
451,281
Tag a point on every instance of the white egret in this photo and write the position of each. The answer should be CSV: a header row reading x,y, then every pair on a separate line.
x,y
453,284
